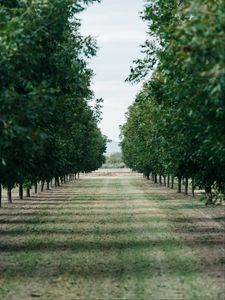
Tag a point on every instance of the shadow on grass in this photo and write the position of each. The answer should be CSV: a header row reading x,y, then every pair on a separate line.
x,y
80,219
78,245
203,230
79,213
94,230
71,203
132,266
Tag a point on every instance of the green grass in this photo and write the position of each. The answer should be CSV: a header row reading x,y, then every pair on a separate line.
x,y
113,240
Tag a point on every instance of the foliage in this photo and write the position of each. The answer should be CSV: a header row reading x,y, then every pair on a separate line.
x,y
114,158
114,161
178,127
48,126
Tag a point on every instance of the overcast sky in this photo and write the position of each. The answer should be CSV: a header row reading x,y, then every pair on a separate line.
x,y
119,31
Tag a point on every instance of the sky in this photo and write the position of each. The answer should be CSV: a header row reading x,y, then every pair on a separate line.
x,y
119,31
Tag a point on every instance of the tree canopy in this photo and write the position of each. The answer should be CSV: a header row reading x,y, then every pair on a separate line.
x,y
48,126
177,124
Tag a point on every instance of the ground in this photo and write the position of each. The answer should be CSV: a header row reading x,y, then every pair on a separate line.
x,y
111,236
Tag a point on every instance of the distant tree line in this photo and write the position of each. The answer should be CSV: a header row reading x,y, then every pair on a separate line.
x,y
114,161
48,120
176,127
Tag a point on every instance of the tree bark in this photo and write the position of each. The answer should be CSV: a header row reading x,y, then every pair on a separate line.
x,y
193,187
42,185
168,181
186,186
179,185
9,195
208,191
48,187
21,191
160,179
172,182
164,180
28,193
35,187
58,181
0,195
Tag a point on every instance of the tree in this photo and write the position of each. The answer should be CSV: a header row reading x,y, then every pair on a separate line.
x,y
184,59
45,91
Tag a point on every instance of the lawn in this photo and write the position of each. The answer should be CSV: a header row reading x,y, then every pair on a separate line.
x,y
111,237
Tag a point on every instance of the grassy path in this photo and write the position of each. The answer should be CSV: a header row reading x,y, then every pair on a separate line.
x,y
110,238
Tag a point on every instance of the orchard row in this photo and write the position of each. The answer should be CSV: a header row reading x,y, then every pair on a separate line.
x,y
48,116
176,127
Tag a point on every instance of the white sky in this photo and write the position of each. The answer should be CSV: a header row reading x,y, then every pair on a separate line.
x,y
119,31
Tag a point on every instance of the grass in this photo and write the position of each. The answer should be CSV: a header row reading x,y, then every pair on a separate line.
x,y
105,238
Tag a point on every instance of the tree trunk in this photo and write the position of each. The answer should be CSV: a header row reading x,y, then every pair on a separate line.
x,y
0,195
48,186
51,183
35,187
179,185
193,187
28,193
164,180
160,179
9,195
208,191
42,185
186,186
172,182
78,175
168,181
21,191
